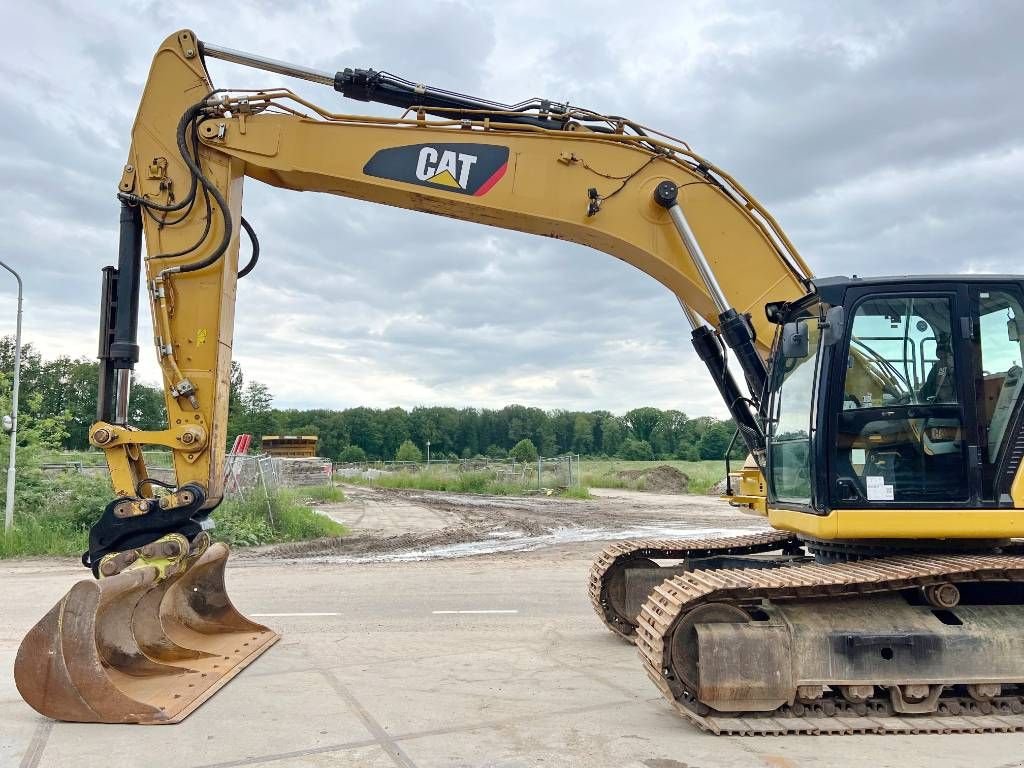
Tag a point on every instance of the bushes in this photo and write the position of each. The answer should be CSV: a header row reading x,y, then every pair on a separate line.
x,y
351,454
524,450
52,515
408,451
636,450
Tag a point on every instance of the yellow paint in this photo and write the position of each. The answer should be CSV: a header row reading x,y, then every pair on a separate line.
x,y
327,153
446,179
846,524
1017,487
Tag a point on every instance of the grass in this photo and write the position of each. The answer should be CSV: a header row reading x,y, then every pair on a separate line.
x,y
57,522
94,457
596,473
602,473
480,482
52,515
253,519
319,493
42,535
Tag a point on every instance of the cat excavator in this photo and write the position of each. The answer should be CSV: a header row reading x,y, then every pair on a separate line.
x,y
882,416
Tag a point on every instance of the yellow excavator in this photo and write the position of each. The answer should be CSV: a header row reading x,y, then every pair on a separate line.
x,y
883,417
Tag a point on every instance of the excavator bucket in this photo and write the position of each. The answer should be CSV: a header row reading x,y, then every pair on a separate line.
x,y
133,648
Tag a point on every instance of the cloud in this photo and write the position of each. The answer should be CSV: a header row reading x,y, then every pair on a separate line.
x,y
884,136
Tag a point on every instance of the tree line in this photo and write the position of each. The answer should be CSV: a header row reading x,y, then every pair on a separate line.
x,y
69,386
356,434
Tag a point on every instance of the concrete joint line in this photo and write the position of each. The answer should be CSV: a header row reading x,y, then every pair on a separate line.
x,y
34,753
388,744
263,759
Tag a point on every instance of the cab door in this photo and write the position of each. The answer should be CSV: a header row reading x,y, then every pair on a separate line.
x,y
998,379
902,401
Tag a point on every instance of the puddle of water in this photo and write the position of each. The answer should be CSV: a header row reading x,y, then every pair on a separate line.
x,y
512,541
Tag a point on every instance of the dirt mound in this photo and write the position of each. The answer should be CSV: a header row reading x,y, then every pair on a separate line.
x,y
660,479
719,488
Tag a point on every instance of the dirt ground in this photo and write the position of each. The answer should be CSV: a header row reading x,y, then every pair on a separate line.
x,y
391,524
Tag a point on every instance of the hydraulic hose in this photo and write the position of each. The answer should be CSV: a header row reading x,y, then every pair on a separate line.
x,y
255,249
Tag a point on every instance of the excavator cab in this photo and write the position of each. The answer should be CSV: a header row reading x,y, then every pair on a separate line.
x,y
888,396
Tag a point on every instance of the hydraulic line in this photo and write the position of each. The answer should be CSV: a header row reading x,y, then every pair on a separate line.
x,y
255,249
190,115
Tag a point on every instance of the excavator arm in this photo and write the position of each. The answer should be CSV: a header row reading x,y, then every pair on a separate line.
x,y
599,188
538,167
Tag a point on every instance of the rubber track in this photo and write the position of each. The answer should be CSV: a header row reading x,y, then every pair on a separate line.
x,y
671,549
686,591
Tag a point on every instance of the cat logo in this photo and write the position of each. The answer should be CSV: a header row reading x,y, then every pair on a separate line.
x,y
469,169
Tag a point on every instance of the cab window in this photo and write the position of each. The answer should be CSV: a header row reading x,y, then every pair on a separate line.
x,y
900,434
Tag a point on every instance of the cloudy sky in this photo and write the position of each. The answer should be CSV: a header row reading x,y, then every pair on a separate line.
x,y
885,137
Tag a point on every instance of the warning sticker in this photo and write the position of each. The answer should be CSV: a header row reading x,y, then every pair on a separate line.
x,y
878,489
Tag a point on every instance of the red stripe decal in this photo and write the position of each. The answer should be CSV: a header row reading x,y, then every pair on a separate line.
x,y
495,178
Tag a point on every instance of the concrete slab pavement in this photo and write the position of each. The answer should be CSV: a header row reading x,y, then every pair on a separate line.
x,y
390,677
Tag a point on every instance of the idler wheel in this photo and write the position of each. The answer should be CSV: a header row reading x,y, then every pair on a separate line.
x,y
683,648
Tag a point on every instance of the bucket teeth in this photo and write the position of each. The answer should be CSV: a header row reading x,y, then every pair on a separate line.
x,y
135,649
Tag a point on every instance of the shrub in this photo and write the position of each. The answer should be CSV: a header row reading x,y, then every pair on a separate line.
x,y
351,454
636,450
408,451
524,450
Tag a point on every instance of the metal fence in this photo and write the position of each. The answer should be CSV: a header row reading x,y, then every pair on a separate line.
x,y
244,473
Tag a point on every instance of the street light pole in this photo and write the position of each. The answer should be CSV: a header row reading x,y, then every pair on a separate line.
x,y
9,506
428,454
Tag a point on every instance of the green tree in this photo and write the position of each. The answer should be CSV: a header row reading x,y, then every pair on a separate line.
x,y
351,454
69,387
583,433
236,385
642,421
636,450
255,416
613,432
408,451
524,450
715,440
688,452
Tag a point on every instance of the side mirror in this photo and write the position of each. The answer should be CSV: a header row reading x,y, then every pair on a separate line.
x,y
1012,331
833,327
794,340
